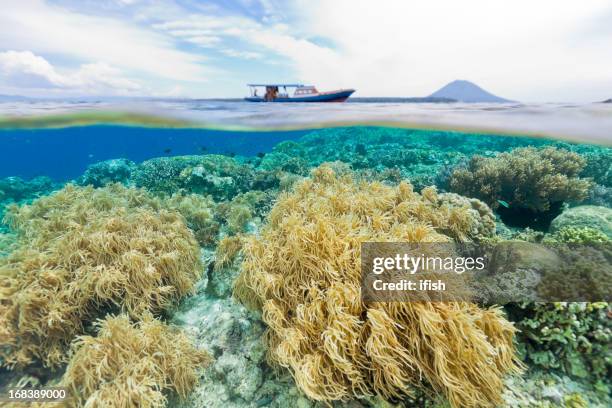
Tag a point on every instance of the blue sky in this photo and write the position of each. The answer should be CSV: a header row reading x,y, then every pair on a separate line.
x,y
545,50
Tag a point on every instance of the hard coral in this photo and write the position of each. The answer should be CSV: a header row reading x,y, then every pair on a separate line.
x,y
15,189
107,172
221,177
303,273
83,252
132,365
531,179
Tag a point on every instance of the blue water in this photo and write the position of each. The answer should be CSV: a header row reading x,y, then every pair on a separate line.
x,y
64,154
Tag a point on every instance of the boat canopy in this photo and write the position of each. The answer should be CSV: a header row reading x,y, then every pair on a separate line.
x,y
278,85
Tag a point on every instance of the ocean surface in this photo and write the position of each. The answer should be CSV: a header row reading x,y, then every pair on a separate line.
x,y
60,139
591,122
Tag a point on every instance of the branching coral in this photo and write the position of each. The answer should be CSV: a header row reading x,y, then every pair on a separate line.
x,y
83,252
132,365
303,273
536,180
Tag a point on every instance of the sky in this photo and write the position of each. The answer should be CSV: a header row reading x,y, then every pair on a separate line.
x,y
525,50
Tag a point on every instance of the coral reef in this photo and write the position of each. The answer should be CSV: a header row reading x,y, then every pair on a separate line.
x,y
482,219
515,270
303,274
81,253
526,184
571,337
7,241
224,268
577,235
398,154
132,364
599,195
107,172
239,376
163,174
199,212
587,216
239,214
598,166
15,189
221,177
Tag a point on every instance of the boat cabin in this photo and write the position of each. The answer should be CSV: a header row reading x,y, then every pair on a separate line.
x,y
278,91
305,90
302,93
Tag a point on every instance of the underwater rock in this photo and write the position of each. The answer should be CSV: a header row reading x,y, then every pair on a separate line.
x,y
518,255
585,216
107,172
527,186
302,273
239,376
543,389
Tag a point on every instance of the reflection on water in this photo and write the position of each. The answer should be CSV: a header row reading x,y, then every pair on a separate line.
x,y
578,122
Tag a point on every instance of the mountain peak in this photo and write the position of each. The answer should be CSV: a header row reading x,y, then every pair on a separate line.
x,y
466,91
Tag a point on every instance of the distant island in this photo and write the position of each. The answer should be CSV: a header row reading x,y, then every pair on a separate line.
x,y
607,101
466,91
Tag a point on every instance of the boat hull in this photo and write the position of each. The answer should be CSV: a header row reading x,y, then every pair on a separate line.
x,y
333,96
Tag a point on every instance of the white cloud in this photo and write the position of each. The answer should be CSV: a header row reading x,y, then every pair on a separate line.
x,y
205,41
248,55
521,49
46,29
23,69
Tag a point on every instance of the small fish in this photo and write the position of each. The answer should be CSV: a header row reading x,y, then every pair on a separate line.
x,y
168,151
261,154
505,204
203,148
90,156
